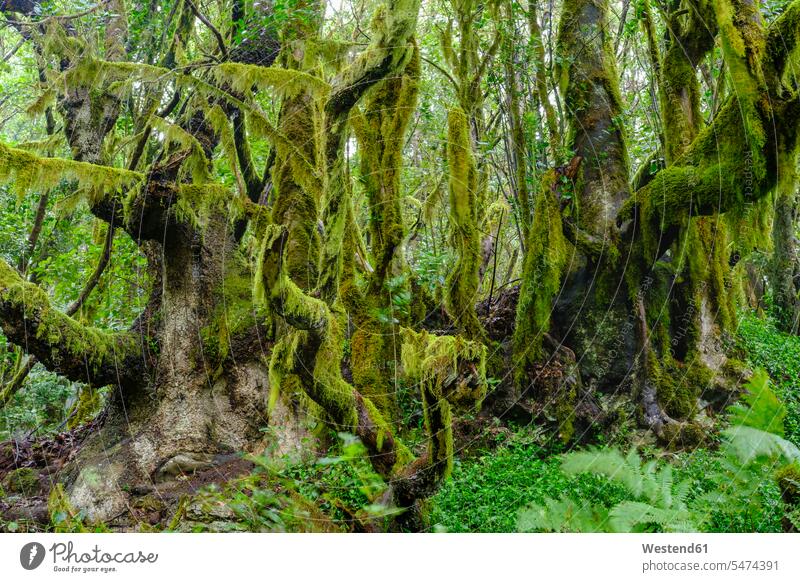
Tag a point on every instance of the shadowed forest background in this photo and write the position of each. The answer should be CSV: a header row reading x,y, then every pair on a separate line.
x,y
399,265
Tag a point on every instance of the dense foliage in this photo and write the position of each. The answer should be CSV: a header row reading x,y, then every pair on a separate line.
x,y
399,265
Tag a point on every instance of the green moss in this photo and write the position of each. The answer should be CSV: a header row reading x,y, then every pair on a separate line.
x,y
678,385
546,255
196,166
86,407
372,363
588,79
96,73
233,312
65,337
461,286
296,206
24,481
381,134
27,171
720,171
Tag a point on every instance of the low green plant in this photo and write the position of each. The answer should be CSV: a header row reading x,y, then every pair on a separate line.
x,y
284,494
765,346
486,492
752,447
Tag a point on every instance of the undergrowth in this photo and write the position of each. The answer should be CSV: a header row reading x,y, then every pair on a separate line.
x,y
765,346
713,490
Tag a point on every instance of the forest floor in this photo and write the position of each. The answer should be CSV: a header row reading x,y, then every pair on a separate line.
x,y
499,470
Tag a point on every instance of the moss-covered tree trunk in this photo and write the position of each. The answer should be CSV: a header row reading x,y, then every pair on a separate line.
x,y
784,269
571,284
614,291
382,306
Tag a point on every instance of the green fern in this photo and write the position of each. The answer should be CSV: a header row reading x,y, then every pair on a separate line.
x,y
565,515
753,446
759,407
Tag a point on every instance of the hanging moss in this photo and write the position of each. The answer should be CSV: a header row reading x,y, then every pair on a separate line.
x,y
296,206
96,73
218,120
461,286
26,171
197,204
546,254
196,164
285,82
302,157
438,363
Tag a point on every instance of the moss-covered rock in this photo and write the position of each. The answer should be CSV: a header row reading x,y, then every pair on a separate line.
x,y
678,435
24,481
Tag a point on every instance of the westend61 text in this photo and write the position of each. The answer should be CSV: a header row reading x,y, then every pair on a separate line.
x,y
671,549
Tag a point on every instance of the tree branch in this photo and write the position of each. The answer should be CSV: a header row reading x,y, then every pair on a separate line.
x,y
81,353
95,277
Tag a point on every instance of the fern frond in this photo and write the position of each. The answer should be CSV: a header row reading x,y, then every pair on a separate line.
x,y
759,408
749,444
564,515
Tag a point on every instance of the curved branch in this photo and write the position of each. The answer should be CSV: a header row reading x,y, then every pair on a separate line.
x,y
98,272
451,370
81,353
220,41
388,52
